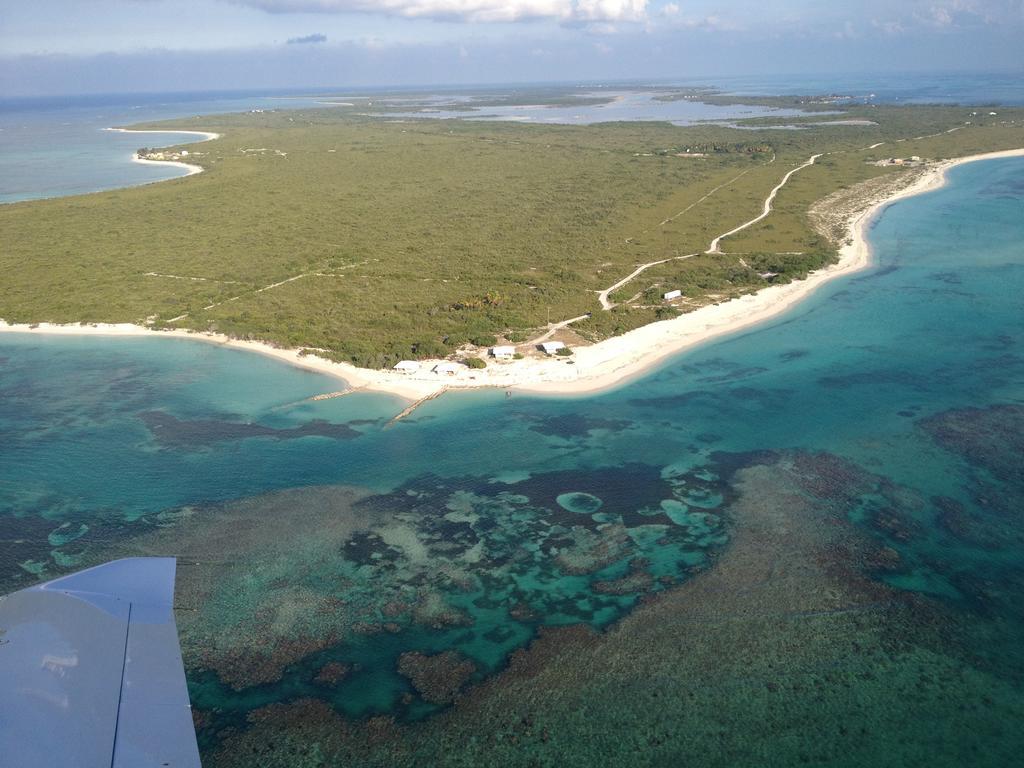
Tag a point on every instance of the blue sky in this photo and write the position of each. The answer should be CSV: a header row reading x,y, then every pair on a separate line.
x,y
87,46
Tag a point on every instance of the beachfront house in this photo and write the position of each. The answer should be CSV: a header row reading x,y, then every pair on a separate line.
x,y
672,295
407,366
503,353
552,347
447,369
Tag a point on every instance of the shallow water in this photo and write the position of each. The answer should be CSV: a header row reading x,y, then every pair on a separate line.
x,y
327,556
54,147
621,106
51,147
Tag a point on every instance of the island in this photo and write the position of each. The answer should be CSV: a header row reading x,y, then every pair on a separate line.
x,y
416,255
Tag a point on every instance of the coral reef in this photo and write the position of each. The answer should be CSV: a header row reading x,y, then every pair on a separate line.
x,y
787,638
437,678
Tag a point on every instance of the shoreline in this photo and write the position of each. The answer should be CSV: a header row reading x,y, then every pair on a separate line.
x,y
190,169
207,135
596,368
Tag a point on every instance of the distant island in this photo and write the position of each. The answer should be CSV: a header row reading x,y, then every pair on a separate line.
x,y
354,240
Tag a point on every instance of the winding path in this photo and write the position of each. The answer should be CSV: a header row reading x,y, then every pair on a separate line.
x,y
552,327
602,296
714,247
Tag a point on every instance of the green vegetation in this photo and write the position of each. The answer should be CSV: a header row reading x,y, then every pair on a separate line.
x,y
475,362
369,240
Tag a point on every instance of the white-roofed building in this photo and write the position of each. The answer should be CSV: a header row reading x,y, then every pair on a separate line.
x,y
407,366
448,369
551,347
672,295
503,353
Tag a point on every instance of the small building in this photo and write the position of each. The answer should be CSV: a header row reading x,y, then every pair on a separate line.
x,y
672,295
447,369
551,347
503,353
407,366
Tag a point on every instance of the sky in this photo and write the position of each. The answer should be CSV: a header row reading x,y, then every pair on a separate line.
x,y
57,47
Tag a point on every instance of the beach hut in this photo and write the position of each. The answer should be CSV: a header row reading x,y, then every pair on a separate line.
x,y
503,353
672,295
551,347
447,369
407,366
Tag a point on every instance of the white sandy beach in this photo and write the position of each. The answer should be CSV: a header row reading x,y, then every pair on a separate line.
x,y
189,168
207,135
597,367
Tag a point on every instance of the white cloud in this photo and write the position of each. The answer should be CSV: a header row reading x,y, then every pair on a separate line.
x,y
671,16
610,10
952,13
848,32
938,15
468,10
892,28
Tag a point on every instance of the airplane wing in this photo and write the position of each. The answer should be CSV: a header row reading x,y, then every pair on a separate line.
x,y
91,672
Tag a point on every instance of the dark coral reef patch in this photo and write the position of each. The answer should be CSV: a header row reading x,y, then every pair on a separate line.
x,y
791,645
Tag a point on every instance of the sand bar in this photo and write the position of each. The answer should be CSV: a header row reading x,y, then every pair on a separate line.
x,y
602,366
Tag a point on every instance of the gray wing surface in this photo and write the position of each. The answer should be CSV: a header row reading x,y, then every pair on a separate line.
x,y
91,672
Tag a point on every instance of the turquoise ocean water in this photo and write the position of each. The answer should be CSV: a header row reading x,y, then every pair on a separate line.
x,y
323,551
51,147
106,440
936,324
